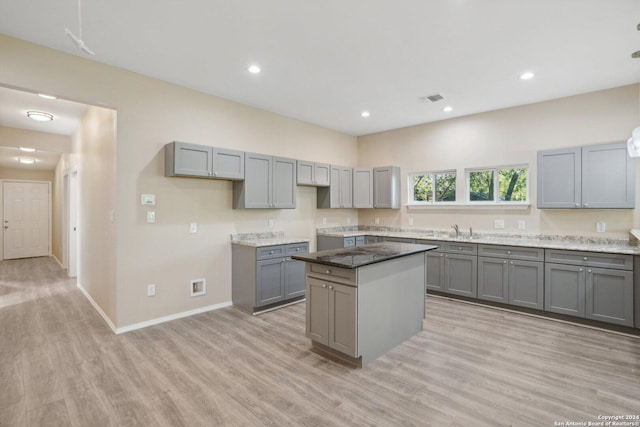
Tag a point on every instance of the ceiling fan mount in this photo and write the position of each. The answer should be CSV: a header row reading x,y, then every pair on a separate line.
x,y
78,39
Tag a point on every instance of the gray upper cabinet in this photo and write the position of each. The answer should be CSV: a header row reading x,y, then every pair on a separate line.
x,y
201,161
269,183
600,176
313,174
386,187
339,194
362,188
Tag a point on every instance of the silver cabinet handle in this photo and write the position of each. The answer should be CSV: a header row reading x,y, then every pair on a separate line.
x,y
441,255
504,262
577,205
270,252
297,249
589,271
585,205
511,262
215,174
585,258
330,287
209,173
324,285
328,272
508,252
580,270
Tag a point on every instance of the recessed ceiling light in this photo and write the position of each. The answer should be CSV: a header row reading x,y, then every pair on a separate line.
x,y
527,76
45,96
27,149
448,109
254,69
27,160
40,116
365,114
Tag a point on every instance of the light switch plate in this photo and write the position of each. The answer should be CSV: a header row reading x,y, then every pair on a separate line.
x,y
410,220
271,223
601,227
148,199
151,217
151,290
377,220
498,223
324,220
193,228
521,224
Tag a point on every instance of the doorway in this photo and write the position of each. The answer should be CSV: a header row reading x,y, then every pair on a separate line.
x,y
26,214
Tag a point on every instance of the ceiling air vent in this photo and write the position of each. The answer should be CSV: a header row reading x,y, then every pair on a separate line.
x,y
431,98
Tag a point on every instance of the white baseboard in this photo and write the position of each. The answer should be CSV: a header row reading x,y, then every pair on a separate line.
x,y
97,307
163,319
151,322
58,261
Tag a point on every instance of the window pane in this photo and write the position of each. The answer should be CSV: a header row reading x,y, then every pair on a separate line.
x,y
513,185
422,188
445,187
481,186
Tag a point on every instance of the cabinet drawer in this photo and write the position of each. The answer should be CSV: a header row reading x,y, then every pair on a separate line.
x,y
399,240
349,242
431,242
360,240
370,239
271,252
511,252
589,259
326,272
461,248
298,248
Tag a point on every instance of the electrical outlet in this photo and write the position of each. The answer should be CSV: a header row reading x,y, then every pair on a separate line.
x,y
521,224
324,220
348,220
376,220
151,290
271,223
151,217
410,220
193,228
498,223
601,227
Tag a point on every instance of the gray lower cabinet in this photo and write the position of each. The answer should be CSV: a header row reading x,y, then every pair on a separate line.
x,y
313,174
452,268
399,239
581,286
202,161
266,275
325,243
339,194
386,187
331,315
270,182
511,275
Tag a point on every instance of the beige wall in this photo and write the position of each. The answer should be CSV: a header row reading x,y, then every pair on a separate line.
x,y
151,113
504,137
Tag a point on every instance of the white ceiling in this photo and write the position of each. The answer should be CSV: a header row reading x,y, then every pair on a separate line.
x,y
326,61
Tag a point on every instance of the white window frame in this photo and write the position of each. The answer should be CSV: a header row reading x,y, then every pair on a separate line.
x,y
412,202
496,188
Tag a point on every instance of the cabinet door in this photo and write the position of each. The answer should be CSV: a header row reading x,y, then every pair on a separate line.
x,y
322,174
284,183
493,279
435,271
317,305
192,159
610,296
257,181
608,177
360,240
363,188
564,289
294,276
336,186
270,280
386,186
559,178
526,284
342,318
305,173
346,187
370,239
461,275
228,164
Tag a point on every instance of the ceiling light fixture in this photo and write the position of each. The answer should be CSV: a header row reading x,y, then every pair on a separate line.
x,y
27,160
365,114
448,109
254,69
40,116
27,149
45,96
527,76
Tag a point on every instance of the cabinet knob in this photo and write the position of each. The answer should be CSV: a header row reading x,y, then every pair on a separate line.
x,y
459,248
511,262
324,285
270,252
589,271
215,174
328,272
209,173
580,270
297,249
330,287
508,252
585,205
441,255
585,258
577,205
505,262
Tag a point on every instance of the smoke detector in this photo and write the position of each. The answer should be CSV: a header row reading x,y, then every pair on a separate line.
x,y
431,98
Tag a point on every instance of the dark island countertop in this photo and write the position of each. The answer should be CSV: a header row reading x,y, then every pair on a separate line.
x,y
359,256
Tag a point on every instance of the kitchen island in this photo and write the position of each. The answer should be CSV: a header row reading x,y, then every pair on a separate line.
x,y
364,301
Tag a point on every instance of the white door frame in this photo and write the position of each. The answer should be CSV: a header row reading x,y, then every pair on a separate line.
x,y
2,181
71,228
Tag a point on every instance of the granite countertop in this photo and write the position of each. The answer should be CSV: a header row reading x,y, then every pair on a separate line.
x,y
575,243
272,238
363,255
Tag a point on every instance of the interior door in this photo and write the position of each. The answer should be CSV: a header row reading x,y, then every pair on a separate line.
x,y
25,219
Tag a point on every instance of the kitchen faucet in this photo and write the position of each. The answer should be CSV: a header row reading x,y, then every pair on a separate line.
x,y
457,229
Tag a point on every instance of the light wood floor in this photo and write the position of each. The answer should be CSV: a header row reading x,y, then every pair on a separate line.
x,y
471,366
